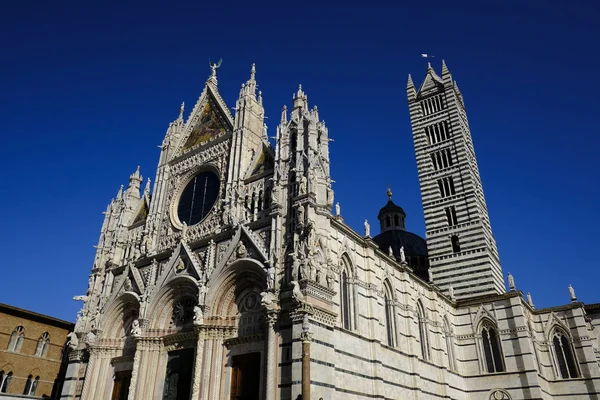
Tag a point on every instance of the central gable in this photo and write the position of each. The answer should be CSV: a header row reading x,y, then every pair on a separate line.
x,y
211,124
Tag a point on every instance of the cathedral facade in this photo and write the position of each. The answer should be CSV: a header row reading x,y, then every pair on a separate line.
x,y
235,277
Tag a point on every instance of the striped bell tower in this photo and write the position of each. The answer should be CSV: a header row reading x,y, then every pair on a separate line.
x,y
462,250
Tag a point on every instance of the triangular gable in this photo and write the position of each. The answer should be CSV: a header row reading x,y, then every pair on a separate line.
x,y
251,244
209,119
553,321
432,82
262,162
482,313
142,213
195,262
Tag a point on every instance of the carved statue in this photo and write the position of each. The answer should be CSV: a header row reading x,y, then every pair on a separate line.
x,y
511,282
304,269
295,267
90,338
241,250
136,330
330,278
318,276
198,315
127,285
367,229
451,292
402,255
202,294
430,274
271,275
300,216
305,323
530,300
90,285
572,293
80,322
275,195
302,186
80,298
73,341
337,209
297,295
390,252
312,268
214,66
268,300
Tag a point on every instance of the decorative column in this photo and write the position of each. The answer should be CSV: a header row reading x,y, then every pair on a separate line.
x,y
271,344
197,372
306,337
90,374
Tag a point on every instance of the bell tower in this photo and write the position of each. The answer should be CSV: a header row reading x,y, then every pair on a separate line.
x,y
462,249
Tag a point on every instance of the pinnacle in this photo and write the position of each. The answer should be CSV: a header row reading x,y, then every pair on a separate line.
x,y
410,83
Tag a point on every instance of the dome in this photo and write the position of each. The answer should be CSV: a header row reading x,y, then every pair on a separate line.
x,y
394,235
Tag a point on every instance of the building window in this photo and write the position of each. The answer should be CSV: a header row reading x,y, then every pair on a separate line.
x,y
441,159
455,244
43,344
347,304
491,348
345,300
16,339
31,385
446,186
423,337
449,345
563,354
451,216
390,320
5,379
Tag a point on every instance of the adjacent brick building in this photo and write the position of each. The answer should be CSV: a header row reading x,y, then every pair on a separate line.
x,y
31,353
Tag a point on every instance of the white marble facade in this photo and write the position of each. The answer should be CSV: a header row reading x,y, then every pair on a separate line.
x,y
267,284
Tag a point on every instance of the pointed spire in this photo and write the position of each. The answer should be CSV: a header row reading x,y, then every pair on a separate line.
x,y
181,110
253,72
284,114
429,67
410,88
120,193
147,188
135,176
260,97
315,112
300,93
389,194
410,83
446,75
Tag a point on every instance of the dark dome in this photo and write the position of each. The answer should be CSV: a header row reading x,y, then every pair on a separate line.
x,y
390,208
415,249
414,245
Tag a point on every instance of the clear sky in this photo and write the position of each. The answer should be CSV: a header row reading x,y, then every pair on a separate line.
x,y
87,92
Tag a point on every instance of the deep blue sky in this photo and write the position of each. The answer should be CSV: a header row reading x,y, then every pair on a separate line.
x,y
87,92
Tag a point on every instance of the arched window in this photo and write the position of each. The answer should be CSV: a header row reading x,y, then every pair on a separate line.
x,y
5,379
449,345
347,304
345,300
491,348
565,362
16,339
423,337
42,346
390,315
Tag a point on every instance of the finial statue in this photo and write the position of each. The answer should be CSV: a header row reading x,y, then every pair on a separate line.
x,y
367,229
572,293
402,255
530,300
390,252
337,209
511,282
214,67
181,109
389,193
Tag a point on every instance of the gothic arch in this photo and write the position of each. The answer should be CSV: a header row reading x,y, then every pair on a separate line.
x,y
563,353
449,336
389,309
181,288
348,293
234,282
490,346
423,330
347,265
499,394
119,315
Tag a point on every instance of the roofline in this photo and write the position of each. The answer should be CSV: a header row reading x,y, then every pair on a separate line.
x,y
20,312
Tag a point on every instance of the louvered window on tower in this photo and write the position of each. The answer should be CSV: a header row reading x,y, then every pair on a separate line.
x,y
446,186
437,133
441,159
451,216
455,244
